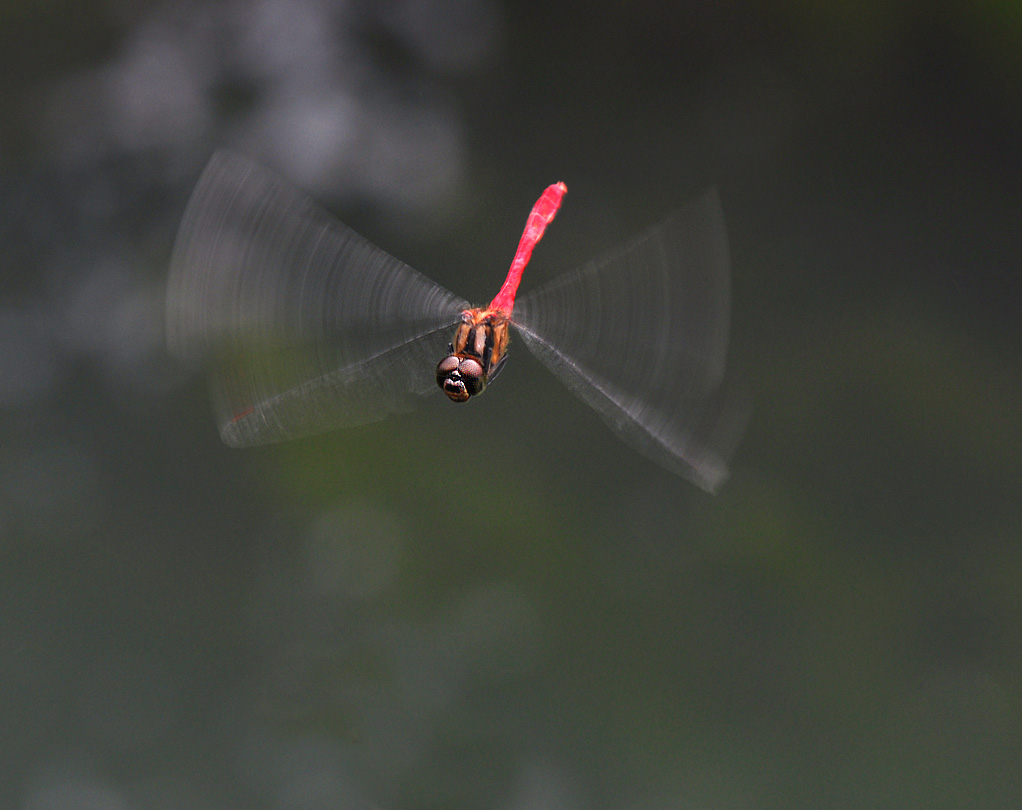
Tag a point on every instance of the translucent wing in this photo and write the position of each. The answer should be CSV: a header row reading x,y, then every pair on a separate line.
x,y
641,336
308,326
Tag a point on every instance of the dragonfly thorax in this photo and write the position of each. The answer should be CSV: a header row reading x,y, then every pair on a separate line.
x,y
476,354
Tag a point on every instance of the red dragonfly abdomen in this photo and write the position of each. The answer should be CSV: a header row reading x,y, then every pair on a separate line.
x,y
479,347
541,215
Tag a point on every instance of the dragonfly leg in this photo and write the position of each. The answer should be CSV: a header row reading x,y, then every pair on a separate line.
x,y
496,369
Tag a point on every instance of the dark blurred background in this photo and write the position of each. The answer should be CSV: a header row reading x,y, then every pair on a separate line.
x,y
503,606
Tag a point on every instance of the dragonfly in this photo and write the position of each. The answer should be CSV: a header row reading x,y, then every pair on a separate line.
x,y
308,327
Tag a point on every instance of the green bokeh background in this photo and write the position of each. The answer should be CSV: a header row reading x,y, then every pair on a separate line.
x,y
501,605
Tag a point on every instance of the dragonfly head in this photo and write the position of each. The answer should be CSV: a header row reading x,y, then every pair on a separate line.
x,y
460,377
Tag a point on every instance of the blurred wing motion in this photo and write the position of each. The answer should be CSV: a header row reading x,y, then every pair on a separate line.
x,y
309,326
641,336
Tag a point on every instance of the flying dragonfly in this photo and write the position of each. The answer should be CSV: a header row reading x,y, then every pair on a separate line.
x,y
309,327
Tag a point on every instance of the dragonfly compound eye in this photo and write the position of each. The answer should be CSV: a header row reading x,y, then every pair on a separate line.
x,y
472,373
445,367
460,378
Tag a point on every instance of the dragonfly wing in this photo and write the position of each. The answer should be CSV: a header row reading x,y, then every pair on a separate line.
x,y
307,326
351,393
641,336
